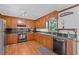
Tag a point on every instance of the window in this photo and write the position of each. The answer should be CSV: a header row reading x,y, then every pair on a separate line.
x,y
53,25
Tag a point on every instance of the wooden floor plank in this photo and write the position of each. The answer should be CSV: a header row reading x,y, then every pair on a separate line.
x,y
34,47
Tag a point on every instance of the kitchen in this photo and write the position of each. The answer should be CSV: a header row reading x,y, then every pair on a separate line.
x,y
53,33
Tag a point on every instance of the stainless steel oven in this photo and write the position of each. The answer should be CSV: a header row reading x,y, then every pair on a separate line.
x,y
22,33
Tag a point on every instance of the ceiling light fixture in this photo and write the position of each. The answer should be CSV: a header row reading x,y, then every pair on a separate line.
x,y
24,13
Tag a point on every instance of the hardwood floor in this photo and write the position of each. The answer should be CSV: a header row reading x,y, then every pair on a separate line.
x,y
27,48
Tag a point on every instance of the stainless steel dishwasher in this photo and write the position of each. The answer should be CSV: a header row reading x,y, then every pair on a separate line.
x,y
59,46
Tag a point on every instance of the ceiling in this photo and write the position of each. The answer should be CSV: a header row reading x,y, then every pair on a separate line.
x,y
30,11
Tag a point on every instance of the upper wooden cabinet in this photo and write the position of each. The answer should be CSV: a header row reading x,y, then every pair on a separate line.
x,y
41,22
30,24
11,22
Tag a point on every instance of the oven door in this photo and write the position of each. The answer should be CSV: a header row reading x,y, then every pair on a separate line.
x,y
21,37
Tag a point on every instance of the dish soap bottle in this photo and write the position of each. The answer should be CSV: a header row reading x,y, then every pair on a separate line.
x,y
68,34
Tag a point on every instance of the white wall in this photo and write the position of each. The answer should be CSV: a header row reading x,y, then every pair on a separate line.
x,y
70,21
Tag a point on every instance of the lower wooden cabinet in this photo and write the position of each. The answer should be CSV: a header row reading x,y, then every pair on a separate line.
x,y
45,40
30,36
69,47
11,39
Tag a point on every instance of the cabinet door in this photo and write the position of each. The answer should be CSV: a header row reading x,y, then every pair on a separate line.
x,y
11,38
69,49
30,36
30,24
11,23
38,38
44,40
50,43
38,24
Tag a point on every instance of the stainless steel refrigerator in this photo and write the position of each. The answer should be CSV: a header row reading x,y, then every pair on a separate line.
x,y
1,37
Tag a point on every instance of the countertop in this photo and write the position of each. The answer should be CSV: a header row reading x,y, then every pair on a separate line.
x,y
57,35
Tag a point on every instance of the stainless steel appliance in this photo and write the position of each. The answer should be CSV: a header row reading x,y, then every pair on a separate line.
x,y
22,33
1,37
59,46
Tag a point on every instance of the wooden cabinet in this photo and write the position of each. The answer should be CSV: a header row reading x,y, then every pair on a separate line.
x,y
41,22
11,39
38,24
45,40
30,23
69,47
50,43
10,22
30,36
